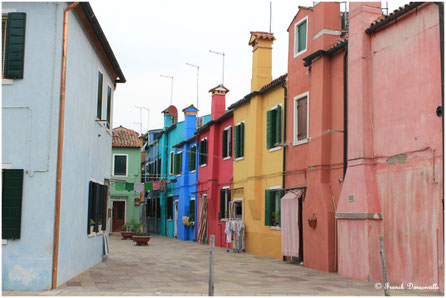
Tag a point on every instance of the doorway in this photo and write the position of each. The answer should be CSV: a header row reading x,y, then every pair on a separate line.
x,y
176,219
118,215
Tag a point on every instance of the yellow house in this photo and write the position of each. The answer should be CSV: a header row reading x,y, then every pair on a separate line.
x,y
258,151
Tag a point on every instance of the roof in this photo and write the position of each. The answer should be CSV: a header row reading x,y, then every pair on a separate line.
x,y
328,52
261,35
383,20
219,119
190,107
181,144
219,88
94,30
274,83
295,16
125,138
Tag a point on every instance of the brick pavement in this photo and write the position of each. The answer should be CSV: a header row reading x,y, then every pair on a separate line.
x,y
170,267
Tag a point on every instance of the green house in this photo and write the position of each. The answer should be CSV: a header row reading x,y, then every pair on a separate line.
x,y
126,174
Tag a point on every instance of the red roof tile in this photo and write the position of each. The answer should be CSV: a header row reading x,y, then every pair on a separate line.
x,y
263,35
126,138
383,17
274,81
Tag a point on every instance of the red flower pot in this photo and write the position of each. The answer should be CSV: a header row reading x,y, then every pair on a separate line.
x,y
141,240
126,235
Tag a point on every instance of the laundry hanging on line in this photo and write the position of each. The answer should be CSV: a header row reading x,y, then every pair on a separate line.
x,y
129,186
139,187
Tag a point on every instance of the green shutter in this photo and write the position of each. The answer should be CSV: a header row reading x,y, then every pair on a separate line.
x,y
230,141
194,158
15,45
192,210
268,210
269,132
302,31
189,159
175,164
221,214
224,143
206,151
278,124
180,163
108,105
242,139
120,165
12,189
237,141
280,206
99,108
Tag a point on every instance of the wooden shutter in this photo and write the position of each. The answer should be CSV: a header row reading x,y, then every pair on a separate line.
x,y
242,140
15,45
224,143
221,214
230,141
96,205
302,118
12,190
269,132
194,158
278,134
104,206
237,141
99,108
281,192
108,106
90,205
192,210
180,163
268,217
189,159
302,28
228,194
205,151
200,153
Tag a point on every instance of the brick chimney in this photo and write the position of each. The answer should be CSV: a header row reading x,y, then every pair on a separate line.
x,y
218,101
261,43
190,121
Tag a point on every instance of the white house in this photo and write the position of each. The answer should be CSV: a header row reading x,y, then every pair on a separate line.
x,y
31,94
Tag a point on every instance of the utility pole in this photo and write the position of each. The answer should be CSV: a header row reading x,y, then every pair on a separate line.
x,y
140,119
223,69
270,15
171,86
198,70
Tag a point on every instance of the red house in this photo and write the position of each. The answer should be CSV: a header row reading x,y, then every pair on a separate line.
x,y
215,140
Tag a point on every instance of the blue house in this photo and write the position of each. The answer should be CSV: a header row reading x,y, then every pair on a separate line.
x,y
38,253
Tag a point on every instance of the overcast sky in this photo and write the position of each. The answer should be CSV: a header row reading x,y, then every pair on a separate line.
x,y
153,38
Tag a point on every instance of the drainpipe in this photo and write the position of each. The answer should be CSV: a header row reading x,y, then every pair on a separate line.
x,y
63,77
285,96
345,109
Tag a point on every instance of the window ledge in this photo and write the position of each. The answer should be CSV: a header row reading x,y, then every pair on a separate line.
x,y
226,158
193,171
300,53
275,149
119,176
4,242
203,165
240,158
276,228
92,235
7,82
300,142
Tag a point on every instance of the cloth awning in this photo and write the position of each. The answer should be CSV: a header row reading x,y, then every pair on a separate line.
x,y
290,222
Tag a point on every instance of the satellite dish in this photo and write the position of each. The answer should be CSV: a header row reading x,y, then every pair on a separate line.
x,y
172,110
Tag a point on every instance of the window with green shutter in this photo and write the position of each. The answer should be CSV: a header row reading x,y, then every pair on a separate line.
x,y
274,127
108,106
192,158
272,207
268,218
97,207
13,45
203,152
227,142
239,140
99,108
171,168
225,198
192,210
300,37
12,190
119,165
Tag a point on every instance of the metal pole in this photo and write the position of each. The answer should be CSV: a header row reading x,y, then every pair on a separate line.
x,y
148,114
171,87
270,15
223,69
384,266
198,70
211,266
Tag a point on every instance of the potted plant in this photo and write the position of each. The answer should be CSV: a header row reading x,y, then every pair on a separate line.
x,y
135,225
100,224
125,233
91,226
312,221
190,224
141,239
276,218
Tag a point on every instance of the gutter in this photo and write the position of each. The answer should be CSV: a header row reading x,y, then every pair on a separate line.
x,y
345,74
63,79
285,97
331,51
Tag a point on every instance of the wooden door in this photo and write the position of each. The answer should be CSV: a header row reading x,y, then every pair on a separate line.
x,y
118,215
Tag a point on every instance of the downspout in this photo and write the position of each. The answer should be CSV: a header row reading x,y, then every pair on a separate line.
x,y
63,77
345,74
165,193
285,96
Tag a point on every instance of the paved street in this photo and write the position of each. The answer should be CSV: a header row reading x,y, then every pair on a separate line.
x,y
172,267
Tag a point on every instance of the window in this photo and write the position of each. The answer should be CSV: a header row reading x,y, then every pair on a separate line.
x,y
238,208
171,169
272,207
225,198
202,159
99,110
239,140
158,208
300,37
97,206
301,119
192,210
120,165
192,158
13,45
273,127
178,164
12,189
108,105
170,207
227,142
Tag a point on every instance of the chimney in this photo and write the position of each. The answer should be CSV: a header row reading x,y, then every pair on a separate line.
x,y
190,121
218,101
261,59
170,116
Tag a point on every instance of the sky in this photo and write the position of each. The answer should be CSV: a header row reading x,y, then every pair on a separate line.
x,y
153,38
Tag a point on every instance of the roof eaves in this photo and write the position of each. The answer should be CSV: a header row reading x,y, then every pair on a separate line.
x,y
329,52
219,119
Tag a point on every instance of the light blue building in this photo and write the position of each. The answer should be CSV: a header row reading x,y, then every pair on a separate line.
x,y
31,88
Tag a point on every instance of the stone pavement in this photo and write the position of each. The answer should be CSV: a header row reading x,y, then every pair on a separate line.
x,y
170,267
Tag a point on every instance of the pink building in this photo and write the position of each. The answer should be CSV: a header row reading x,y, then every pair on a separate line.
x,y
394,181
215,170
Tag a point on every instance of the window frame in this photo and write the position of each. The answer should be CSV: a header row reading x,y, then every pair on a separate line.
x,y
244,130
126,165
227,190
275,190
296,37
296,141
228,142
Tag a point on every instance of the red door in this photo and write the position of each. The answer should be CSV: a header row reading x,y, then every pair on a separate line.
x,y
118,215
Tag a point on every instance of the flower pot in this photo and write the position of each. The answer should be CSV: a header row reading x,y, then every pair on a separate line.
x,y
100,228
126,235
141,240
91,229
